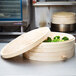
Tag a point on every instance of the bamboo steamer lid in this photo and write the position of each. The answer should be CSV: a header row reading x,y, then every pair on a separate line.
x,y
63,18
25,42
64,14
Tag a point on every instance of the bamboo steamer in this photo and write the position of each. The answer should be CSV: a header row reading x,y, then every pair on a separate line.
x,y
63,18
33,47
53,51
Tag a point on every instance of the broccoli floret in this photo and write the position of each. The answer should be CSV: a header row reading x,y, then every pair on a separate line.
x,y
48,40
57,37
65,38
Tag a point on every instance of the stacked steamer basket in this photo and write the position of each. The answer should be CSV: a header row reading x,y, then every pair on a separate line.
x,y
53,51
31,45
63,21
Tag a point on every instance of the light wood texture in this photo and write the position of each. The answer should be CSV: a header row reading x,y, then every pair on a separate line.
x,y
64,14
53,51
25,42
53,56
63,18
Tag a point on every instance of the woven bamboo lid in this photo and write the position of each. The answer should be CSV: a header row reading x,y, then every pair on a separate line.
x,y
25,42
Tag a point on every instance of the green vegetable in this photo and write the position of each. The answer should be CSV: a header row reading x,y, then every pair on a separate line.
x,y
48,40
55,40
57,37
65,38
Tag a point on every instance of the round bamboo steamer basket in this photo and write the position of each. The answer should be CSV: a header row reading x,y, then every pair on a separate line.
x,y
53,51
53,56
63,18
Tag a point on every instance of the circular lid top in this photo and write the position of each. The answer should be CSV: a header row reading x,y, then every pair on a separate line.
x,y
25,42
64,14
